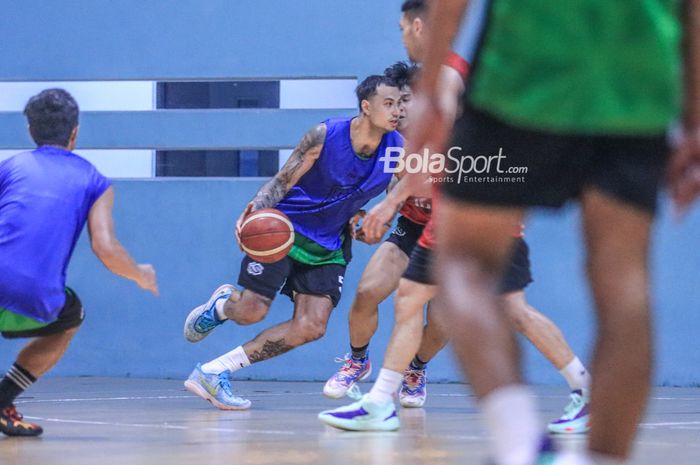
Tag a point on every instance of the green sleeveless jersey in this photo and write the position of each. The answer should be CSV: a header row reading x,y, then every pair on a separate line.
x,y
581,66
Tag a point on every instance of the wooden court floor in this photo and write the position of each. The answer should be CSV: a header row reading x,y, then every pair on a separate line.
x,y
94,421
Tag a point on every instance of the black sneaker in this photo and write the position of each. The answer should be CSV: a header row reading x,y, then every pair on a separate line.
x,y
11,424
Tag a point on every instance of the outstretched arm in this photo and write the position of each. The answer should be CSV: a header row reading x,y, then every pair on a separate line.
x,y
110,251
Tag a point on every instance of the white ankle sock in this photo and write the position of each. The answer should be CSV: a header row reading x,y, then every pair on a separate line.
x,y
231,361
385,386
576,375
219,308
511,418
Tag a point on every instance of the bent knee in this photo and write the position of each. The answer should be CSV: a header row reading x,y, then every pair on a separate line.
x,y
367,297
251,308
407,308
310,330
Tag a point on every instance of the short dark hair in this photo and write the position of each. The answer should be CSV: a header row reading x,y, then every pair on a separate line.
x,y
368,88
414,8
402,73
52,115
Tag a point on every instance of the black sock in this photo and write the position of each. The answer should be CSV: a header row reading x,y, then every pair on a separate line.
x,y
358,353
16,381
418,364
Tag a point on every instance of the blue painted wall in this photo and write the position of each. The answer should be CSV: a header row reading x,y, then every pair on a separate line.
x,y
162,40
196,39
184,227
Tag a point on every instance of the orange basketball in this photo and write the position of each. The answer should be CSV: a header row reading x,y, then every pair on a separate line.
x,y
267,235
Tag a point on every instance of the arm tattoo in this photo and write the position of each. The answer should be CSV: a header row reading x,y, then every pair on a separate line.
x,y
277,187
270,349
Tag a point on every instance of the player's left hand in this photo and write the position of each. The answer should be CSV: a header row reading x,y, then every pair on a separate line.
x,y
378,221
239,223
353,227
684,169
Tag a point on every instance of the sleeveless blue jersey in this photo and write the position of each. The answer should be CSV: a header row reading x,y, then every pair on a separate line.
x,y
338,185
45,198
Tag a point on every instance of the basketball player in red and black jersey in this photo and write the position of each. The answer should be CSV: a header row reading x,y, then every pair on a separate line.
x,y
381,276
383,272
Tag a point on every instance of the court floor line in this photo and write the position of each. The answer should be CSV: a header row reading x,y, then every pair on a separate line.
x,y
167,426
99,399
344,435
320,432
276,394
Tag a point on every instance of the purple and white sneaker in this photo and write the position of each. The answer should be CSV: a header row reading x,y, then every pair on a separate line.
x,y
576,419
362,415
350,373
413,388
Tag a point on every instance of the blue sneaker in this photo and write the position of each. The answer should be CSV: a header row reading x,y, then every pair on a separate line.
x,y
413,388
362,415
576,419
216,388
350,373
202,320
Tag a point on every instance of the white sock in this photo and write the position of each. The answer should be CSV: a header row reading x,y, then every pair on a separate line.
x,y
576,375
385,386
512,420
219,308
231,361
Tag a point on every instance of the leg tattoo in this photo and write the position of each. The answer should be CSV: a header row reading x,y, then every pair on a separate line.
x,y
270,349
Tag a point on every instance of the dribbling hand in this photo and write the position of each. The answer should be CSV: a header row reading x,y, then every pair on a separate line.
x,y
378,220
239,223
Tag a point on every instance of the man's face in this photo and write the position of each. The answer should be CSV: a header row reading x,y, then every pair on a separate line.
x,y
412,36
384,108
404,106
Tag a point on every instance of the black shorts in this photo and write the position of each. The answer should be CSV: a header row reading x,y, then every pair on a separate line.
x,y
420,266
289,276
405,235
517,276
559,166
71,316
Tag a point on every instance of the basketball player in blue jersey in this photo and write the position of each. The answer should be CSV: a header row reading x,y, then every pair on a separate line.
x,y
46,197
332,173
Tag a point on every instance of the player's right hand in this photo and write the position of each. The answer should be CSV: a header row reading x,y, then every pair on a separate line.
x,y
684,169
239,223
147,278
378,220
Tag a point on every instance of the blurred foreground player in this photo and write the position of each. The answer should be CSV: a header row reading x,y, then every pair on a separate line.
x,y
556,92
46,196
